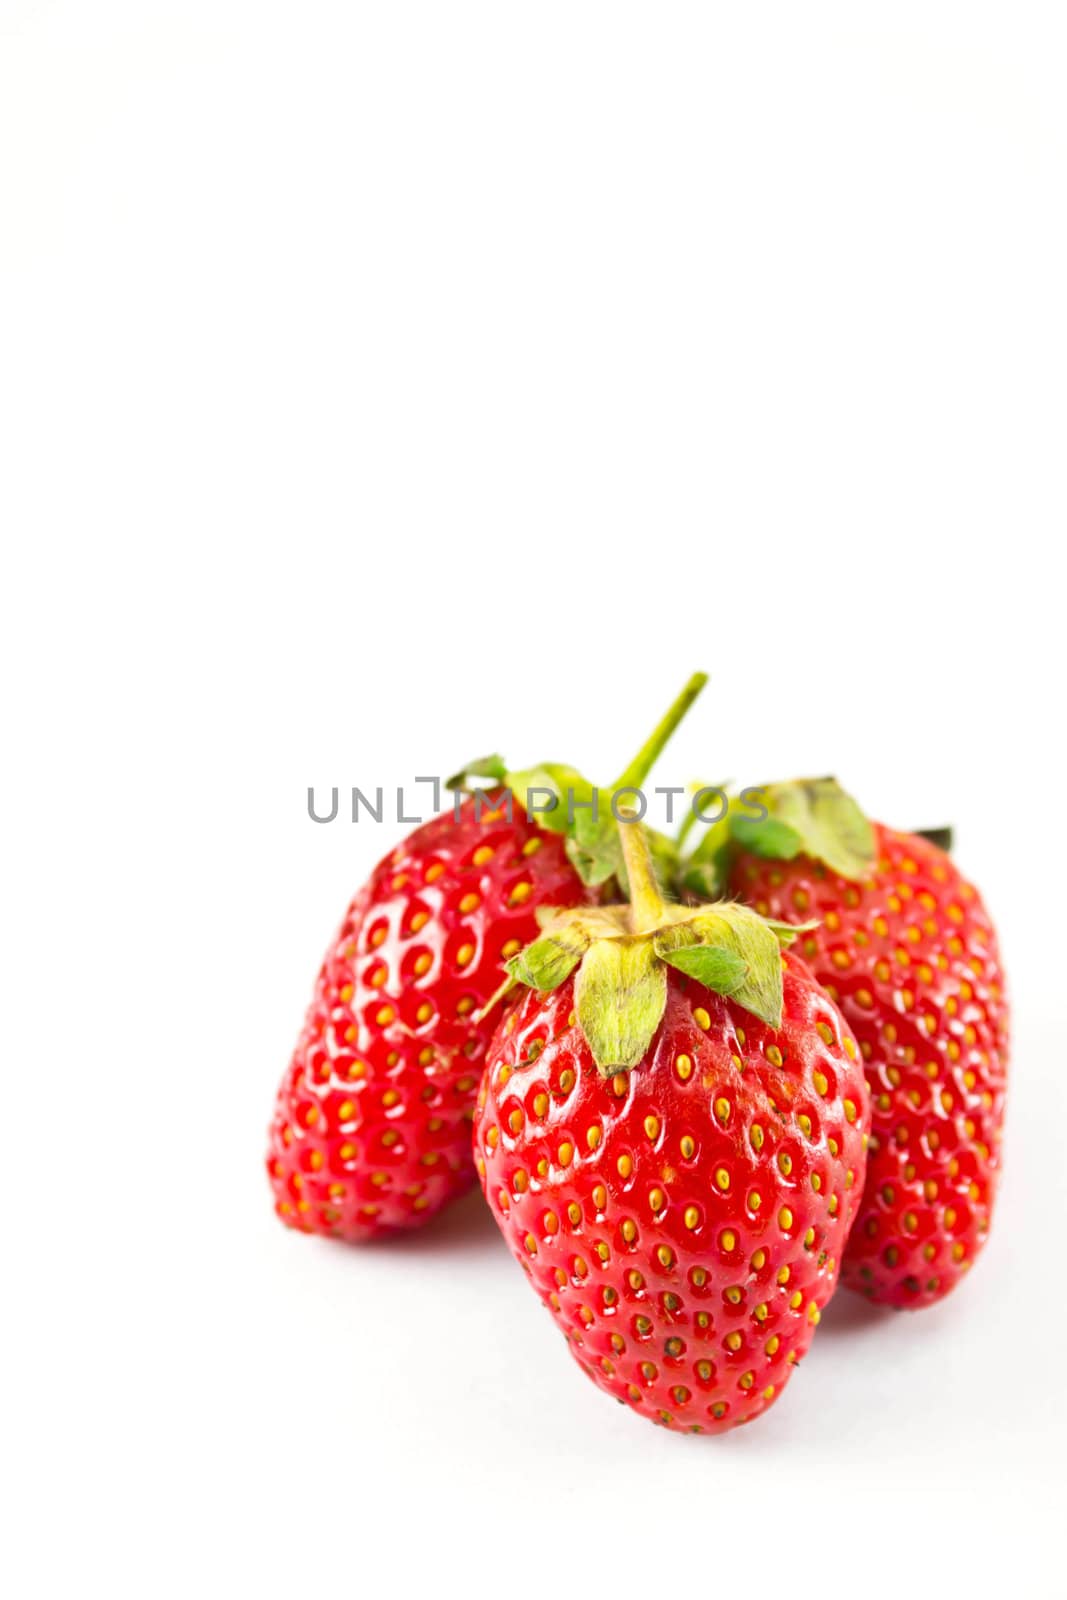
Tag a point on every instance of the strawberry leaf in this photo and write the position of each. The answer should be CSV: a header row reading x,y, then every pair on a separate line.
x,y
734,952
492,768
814,817
620,995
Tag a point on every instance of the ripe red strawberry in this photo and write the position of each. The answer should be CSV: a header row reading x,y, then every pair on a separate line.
x,y
905,947
675,1170
371,1130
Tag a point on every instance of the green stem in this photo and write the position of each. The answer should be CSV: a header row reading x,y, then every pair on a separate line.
x,y
641,765
646,903
689,820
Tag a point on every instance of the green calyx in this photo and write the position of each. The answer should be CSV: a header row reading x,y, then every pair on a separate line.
x,y
620,955
810,816
564,802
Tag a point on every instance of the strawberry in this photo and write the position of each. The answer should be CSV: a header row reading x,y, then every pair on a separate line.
x,y
671,1135
371,1130
905,947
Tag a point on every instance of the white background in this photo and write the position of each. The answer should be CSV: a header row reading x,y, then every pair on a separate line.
x,y
380,384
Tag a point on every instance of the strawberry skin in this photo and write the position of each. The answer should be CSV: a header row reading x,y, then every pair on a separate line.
x,y
371,1130
909,954
684,1221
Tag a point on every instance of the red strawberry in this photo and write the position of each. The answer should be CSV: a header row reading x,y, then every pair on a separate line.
x,y
905,947
675,1170
371,1131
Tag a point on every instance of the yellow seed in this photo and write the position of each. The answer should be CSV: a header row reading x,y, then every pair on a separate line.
x,y
722,1109
850,1110
657,1199
483,854
821,1082
593,1136
785,1218
691,1216
625,1166
722,1177
566,1153
683,1066
652,1126
728,1239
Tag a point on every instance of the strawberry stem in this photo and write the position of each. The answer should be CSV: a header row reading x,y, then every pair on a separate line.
x,y
641,765
646,903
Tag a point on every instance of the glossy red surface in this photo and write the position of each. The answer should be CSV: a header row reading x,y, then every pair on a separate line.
x,y
371,1131
911,958
684,1222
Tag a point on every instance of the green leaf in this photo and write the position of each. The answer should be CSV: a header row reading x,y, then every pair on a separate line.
x,y
565,937
705,880
814,817
714,966
732,951
492,767
563,785
593,846
767,837
620,995
546,963
942,837
595,850
707,869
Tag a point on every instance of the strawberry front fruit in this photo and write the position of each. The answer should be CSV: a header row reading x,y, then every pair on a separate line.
x,y
675,1168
